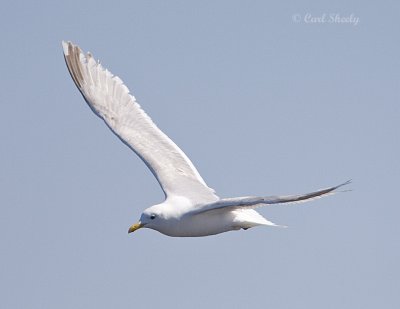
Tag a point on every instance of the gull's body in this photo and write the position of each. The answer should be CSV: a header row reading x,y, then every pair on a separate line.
x,y
191,208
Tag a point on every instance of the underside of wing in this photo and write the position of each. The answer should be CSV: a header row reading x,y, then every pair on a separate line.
x,y
252,202
110,99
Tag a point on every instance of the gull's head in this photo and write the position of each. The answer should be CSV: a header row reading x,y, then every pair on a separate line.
x,y
153,218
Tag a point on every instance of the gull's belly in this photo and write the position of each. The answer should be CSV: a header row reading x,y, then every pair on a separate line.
x,y
209,223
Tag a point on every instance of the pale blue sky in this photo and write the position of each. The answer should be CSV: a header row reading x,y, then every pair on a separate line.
x,y
261,102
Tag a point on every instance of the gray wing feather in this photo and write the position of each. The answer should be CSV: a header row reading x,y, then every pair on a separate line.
x,y
255,201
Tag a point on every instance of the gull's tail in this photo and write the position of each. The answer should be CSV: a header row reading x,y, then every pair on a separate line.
x,y
247,218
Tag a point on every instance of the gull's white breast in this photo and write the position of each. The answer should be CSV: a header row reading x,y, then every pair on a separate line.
x,y
203,224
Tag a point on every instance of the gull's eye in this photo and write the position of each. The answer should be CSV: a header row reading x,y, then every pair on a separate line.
x,y
152,217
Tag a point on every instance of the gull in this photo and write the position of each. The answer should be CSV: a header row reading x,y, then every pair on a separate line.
x,y
191,208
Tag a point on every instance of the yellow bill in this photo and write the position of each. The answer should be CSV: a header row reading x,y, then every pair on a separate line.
x,y
135,227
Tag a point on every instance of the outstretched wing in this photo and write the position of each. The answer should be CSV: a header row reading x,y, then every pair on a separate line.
x,y
254,201
110,99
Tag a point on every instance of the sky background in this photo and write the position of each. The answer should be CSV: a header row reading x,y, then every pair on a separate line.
x,y
263,102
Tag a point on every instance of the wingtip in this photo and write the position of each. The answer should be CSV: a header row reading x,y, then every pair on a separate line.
x,y
345,183
341,185
65,45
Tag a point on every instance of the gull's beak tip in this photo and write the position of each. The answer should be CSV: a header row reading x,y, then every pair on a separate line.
x,y
135,227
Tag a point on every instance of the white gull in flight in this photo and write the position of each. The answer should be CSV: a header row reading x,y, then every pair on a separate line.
x,y
191,208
